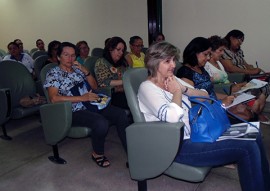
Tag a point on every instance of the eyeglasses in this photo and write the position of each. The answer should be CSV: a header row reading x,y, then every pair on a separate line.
x,y
138,46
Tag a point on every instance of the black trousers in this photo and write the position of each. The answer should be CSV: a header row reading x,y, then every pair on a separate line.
x,y
99,123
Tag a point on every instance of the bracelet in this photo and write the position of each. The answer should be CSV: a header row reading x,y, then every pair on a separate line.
x,y
185,90
88,74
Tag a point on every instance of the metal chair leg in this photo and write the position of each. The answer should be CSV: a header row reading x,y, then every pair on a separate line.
x,y
55,158
5,136
142,185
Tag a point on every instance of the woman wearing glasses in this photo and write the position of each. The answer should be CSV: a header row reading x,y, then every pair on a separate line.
x,y
233,57
135,58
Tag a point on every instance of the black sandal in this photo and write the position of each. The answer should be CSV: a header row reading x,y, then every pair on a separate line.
x,y
101,160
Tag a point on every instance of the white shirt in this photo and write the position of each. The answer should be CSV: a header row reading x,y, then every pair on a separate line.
x,y
27,61
156,105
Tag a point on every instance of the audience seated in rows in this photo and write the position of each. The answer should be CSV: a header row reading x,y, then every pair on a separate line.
x,y
165,103
135,58
218,75
110,68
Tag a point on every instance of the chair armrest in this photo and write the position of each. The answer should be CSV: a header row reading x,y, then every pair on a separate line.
x,y
152,147
56,121
236,77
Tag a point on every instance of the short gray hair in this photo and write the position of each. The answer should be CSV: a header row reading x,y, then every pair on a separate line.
x,y
158,52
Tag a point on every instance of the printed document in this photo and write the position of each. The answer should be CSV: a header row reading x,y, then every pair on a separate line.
x,y
243,97
253,84
241,131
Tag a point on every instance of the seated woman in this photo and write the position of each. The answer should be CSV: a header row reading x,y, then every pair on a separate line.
x,y
52,52
84,50
110,68
193,71
61,80
165,104
233,57
135,58
218,75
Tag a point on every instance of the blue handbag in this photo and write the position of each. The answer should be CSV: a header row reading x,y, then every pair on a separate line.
x,y
208,119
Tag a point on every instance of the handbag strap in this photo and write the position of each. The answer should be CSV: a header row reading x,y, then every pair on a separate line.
x,y
245,121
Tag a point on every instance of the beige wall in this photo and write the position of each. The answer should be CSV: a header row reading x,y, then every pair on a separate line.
x,y
71,20
95,20
185,19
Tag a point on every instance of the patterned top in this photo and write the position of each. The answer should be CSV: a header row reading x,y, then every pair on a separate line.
x,y
64,81
105,72
236,58
218,75
138,62
201,81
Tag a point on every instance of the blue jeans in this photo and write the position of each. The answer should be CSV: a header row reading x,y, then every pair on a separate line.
x,y
250,157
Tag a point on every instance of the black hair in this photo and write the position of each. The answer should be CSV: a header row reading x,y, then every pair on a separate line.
x,y
51,46
13,43
197,45
38,40
158,34
133,39
111,45
234,33
216,42
66,44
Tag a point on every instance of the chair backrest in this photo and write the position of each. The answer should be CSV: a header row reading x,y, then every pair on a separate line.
x,y
97,52
33,50
43,74
15,76
144,49
132,80
178,65
38,53
2,53
39,63
90,63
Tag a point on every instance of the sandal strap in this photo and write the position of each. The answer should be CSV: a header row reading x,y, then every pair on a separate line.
x,y
101,160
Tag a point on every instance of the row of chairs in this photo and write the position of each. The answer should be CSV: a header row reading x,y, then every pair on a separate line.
x,y
145,161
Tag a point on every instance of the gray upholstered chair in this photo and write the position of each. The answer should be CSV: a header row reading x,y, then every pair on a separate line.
x,y
16,77
5,110
232,77
2,53
39,63
152,146
97,52
56,119
38,53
